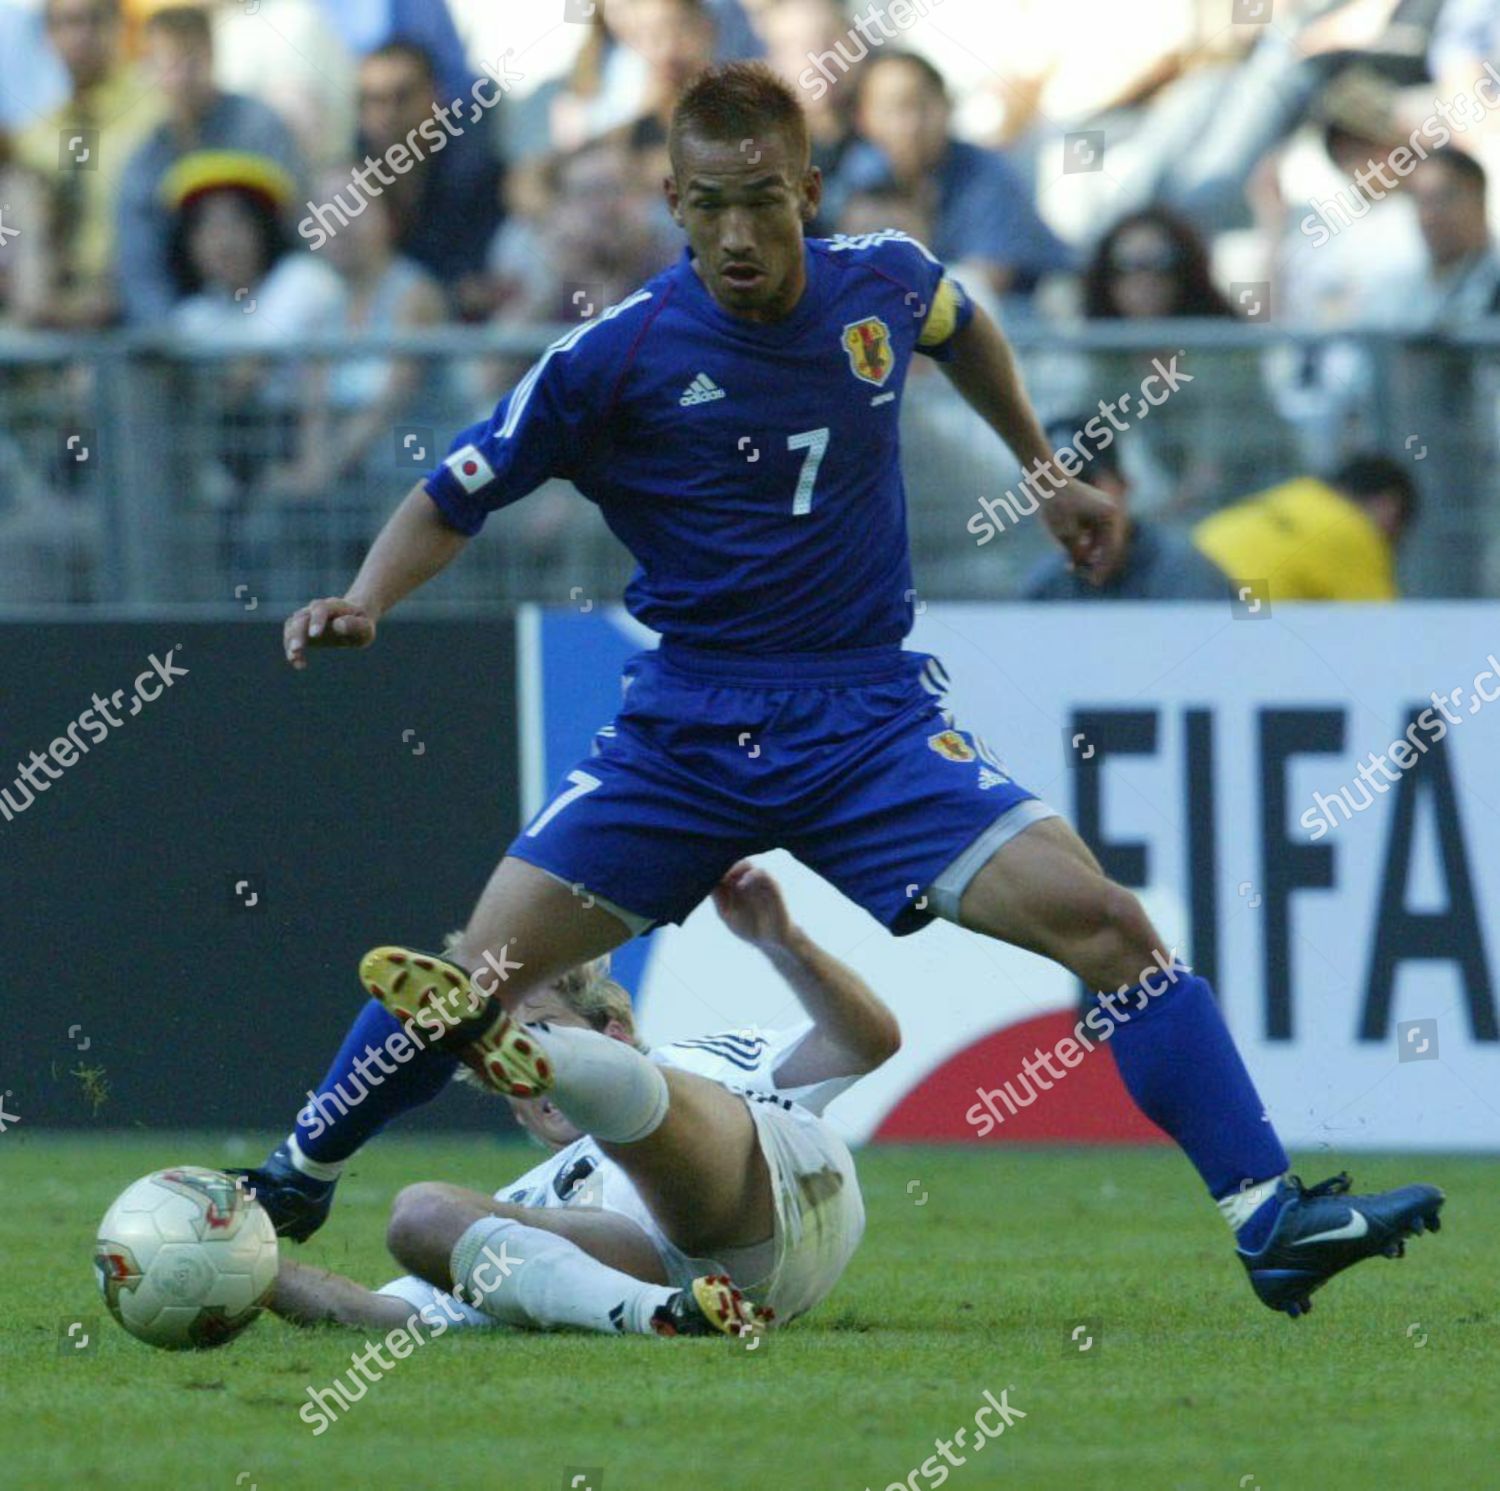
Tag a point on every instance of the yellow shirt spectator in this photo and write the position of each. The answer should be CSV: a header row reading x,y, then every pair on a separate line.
x,y
1314,540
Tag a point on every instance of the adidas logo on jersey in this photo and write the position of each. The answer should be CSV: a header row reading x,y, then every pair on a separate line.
x,y
702,390
988,778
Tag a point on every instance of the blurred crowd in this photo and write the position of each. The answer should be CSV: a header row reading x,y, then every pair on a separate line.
x,y
253,173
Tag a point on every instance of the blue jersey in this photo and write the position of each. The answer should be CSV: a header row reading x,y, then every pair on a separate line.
x,y
752,469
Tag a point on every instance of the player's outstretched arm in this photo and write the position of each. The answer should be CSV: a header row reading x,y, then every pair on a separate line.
x,y
854,1030
414,545
983,369
315,1296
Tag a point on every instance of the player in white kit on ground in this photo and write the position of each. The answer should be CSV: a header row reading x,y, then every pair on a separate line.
x,y
673,1173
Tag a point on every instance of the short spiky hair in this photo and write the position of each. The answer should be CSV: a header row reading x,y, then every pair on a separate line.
x,y
738,101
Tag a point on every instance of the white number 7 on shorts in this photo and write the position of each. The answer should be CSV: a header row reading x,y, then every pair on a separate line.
x,y
582,782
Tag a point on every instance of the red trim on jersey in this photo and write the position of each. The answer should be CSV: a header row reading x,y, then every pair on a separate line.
x,y
640,336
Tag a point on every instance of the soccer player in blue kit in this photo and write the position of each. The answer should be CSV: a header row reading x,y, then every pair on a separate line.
x,y
735,420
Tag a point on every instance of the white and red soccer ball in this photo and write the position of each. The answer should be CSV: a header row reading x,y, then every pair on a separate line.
x,y
185,1258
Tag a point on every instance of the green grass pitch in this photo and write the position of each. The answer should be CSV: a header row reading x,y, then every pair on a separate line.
x,y
977,1272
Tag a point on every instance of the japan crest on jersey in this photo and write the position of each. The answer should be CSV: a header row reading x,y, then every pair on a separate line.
x,y
951,745
868,344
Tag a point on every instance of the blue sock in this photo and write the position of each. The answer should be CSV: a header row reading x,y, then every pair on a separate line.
x,y
1179,1062
349,1107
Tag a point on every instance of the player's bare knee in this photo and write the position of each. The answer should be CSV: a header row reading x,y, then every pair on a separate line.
x,y
1107,939
1128,944
415,1215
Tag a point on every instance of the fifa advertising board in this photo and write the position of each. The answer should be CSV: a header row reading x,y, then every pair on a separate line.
x,y
1305,797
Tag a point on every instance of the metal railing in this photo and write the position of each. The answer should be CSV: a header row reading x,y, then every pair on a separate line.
x,y
141,475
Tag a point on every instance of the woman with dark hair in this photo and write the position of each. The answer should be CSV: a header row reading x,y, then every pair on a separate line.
x,y
247,291
1218,436
224,234
231,256
1151,264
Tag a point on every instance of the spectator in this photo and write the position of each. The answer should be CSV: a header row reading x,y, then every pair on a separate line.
x,y
592,220
881,208
796,30
180,59
982,211
593,235
1465,44
1305,54
884,207
675,38
1152,267
610,83
51,526
367,27
1333,263
1315,540
1332,266
236,275
357,417
351,406
1461,281
446,209
604,86
241,283
1154,90
1147,561
1456,290
77,155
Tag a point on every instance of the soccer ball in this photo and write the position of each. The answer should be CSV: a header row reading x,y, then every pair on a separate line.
x,y
185,1258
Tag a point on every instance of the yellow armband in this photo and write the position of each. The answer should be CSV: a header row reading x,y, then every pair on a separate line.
x,y
942,319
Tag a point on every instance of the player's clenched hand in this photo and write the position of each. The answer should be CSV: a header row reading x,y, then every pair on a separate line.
x,y
331,622
1082,519
750,902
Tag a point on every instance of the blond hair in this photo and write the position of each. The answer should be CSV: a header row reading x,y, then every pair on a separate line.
x,y
594,996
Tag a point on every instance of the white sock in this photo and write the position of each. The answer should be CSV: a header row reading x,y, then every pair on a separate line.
x,y
1239,1206
526,1277
317,1169
608,1089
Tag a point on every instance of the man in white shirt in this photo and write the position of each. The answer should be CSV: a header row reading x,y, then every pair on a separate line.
x,y
1460,283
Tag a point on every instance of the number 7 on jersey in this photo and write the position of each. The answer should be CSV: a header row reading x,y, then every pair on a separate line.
x,y
815,443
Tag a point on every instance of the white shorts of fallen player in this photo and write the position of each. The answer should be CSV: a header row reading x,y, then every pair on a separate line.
x,y
820,1219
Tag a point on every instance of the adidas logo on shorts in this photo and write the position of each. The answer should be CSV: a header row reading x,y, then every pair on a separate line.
x,y
702,390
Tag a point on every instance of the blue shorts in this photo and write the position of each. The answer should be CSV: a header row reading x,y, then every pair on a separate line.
x,y
848,760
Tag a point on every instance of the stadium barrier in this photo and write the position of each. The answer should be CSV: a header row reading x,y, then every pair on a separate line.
x,y
143,474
